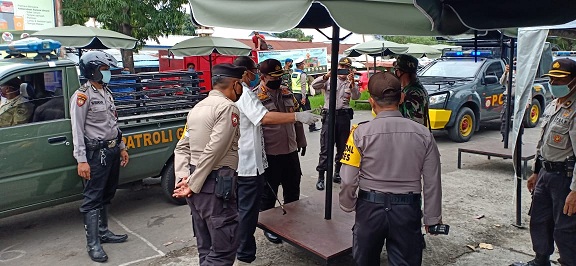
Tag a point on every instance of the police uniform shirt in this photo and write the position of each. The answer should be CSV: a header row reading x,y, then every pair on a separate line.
x,y
213,132
558,136
15,111
93,115
343,92
278,139
251,143
391,154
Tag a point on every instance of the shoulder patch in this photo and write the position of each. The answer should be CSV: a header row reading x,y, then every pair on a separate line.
x,y
81,99
185,132
262,96
235,119
351,155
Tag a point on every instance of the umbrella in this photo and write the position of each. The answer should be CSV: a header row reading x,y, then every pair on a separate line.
x,y
456,16
82,37
202,46
376,48
419,50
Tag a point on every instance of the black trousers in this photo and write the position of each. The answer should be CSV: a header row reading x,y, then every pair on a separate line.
x,y
341,133
214,225
104,174
503,115
397,225
282,170
249,192
304,107
548,223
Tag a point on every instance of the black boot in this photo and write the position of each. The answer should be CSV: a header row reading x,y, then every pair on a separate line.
x,y
106,236
539,260
95,250
320,183
336,179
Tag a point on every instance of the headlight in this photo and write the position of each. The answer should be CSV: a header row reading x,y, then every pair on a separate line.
x,y
438,99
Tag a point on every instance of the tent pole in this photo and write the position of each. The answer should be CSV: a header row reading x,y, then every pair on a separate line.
x,y
210,63
331,119
374,64
519,170
508,112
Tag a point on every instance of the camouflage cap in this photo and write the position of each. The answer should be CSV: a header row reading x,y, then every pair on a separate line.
x,y
562,67
345,61
271,67
406,63
384,84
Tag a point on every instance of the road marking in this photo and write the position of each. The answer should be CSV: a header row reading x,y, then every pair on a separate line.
x,y
140,260
160,253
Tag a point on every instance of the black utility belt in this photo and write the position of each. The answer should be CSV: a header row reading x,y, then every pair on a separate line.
x,y
394,199
566,166
346,111
94,144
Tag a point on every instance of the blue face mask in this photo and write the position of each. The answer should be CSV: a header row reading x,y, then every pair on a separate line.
x,y
255,82
106,76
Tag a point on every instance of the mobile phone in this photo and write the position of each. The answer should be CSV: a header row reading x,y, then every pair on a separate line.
x,y
343,71
439,229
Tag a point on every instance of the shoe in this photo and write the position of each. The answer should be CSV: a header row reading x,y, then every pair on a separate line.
x,y
320,184
95,251
106,236
539,260
337,179
272,237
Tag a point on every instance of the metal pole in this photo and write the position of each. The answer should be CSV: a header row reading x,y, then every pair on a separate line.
x,y
331,119
508,112
374,65
475,47
519,170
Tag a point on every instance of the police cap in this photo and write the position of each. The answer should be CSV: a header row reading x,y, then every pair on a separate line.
x,y
562,68
406,63
271,67
228,70
345,61
384,84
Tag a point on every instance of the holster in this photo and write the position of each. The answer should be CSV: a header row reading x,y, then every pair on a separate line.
x,y
225,184
570,161
351,113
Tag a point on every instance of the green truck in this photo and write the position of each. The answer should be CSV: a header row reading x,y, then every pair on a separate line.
x,y
37,168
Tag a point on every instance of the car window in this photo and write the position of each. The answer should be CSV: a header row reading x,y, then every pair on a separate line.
x,y
495,69
38,98
452,68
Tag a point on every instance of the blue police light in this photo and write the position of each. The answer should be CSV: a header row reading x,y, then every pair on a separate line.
x,y
563,53
31,45
454,54
477,53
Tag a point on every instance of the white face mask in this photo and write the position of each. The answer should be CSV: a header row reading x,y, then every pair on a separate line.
x,y
106,76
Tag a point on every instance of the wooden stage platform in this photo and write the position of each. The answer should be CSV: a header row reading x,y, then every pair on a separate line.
x,y
304,226
491,150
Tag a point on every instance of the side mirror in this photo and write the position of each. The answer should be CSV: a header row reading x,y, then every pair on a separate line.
x,y
488,80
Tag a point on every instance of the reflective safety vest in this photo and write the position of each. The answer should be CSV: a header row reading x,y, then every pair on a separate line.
x,y
296,86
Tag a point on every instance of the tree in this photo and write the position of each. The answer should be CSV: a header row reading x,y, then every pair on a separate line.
x,y
297,34
141,19
563,44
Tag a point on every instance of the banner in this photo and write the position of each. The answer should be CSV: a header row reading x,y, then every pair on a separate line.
x,y
316,59
29,15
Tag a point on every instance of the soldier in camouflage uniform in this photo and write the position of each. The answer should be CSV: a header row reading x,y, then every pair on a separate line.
x,y
16,110
287,76
415,104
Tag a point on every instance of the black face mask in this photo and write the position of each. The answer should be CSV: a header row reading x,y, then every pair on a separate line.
x,y
274,84
238,94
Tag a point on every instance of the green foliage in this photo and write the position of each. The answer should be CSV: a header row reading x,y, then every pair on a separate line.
x,y
317,101
411,39
563,44
295,34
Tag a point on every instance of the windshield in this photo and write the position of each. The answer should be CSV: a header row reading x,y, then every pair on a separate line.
x,y
452,68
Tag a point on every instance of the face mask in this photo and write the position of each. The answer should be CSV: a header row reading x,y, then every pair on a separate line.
x,y
559,91
125,72
255,82
106,76
236,93
274,84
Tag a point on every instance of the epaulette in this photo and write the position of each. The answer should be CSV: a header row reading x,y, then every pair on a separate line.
x,y
266,101
286,91
363,122
84,87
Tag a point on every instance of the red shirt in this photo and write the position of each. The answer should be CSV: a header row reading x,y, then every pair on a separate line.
x,y
255,40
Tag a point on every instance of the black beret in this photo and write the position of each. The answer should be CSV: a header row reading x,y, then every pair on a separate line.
x,y
228,70
406,63
383,84
271,67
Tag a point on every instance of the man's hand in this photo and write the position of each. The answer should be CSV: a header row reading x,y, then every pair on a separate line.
x,y
531,184
124,158
570,205
182,189
427,227
507,68
84,170
307,117
303,149
327,75
350,77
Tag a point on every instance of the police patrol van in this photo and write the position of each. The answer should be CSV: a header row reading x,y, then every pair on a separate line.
x,y
37,168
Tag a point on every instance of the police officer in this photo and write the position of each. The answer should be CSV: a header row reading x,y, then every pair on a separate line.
x,y
98,149
346,89
287,76
251,180
207,164
300,88
388,201
553,185
281,142
415,105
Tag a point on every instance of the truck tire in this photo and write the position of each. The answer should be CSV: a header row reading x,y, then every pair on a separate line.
x,y
168,183
533,114
463,130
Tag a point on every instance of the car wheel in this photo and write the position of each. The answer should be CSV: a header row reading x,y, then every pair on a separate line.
x,y
168,183
532,117
463,130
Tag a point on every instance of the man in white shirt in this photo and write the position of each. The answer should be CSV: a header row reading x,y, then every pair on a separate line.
x,y
252,157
